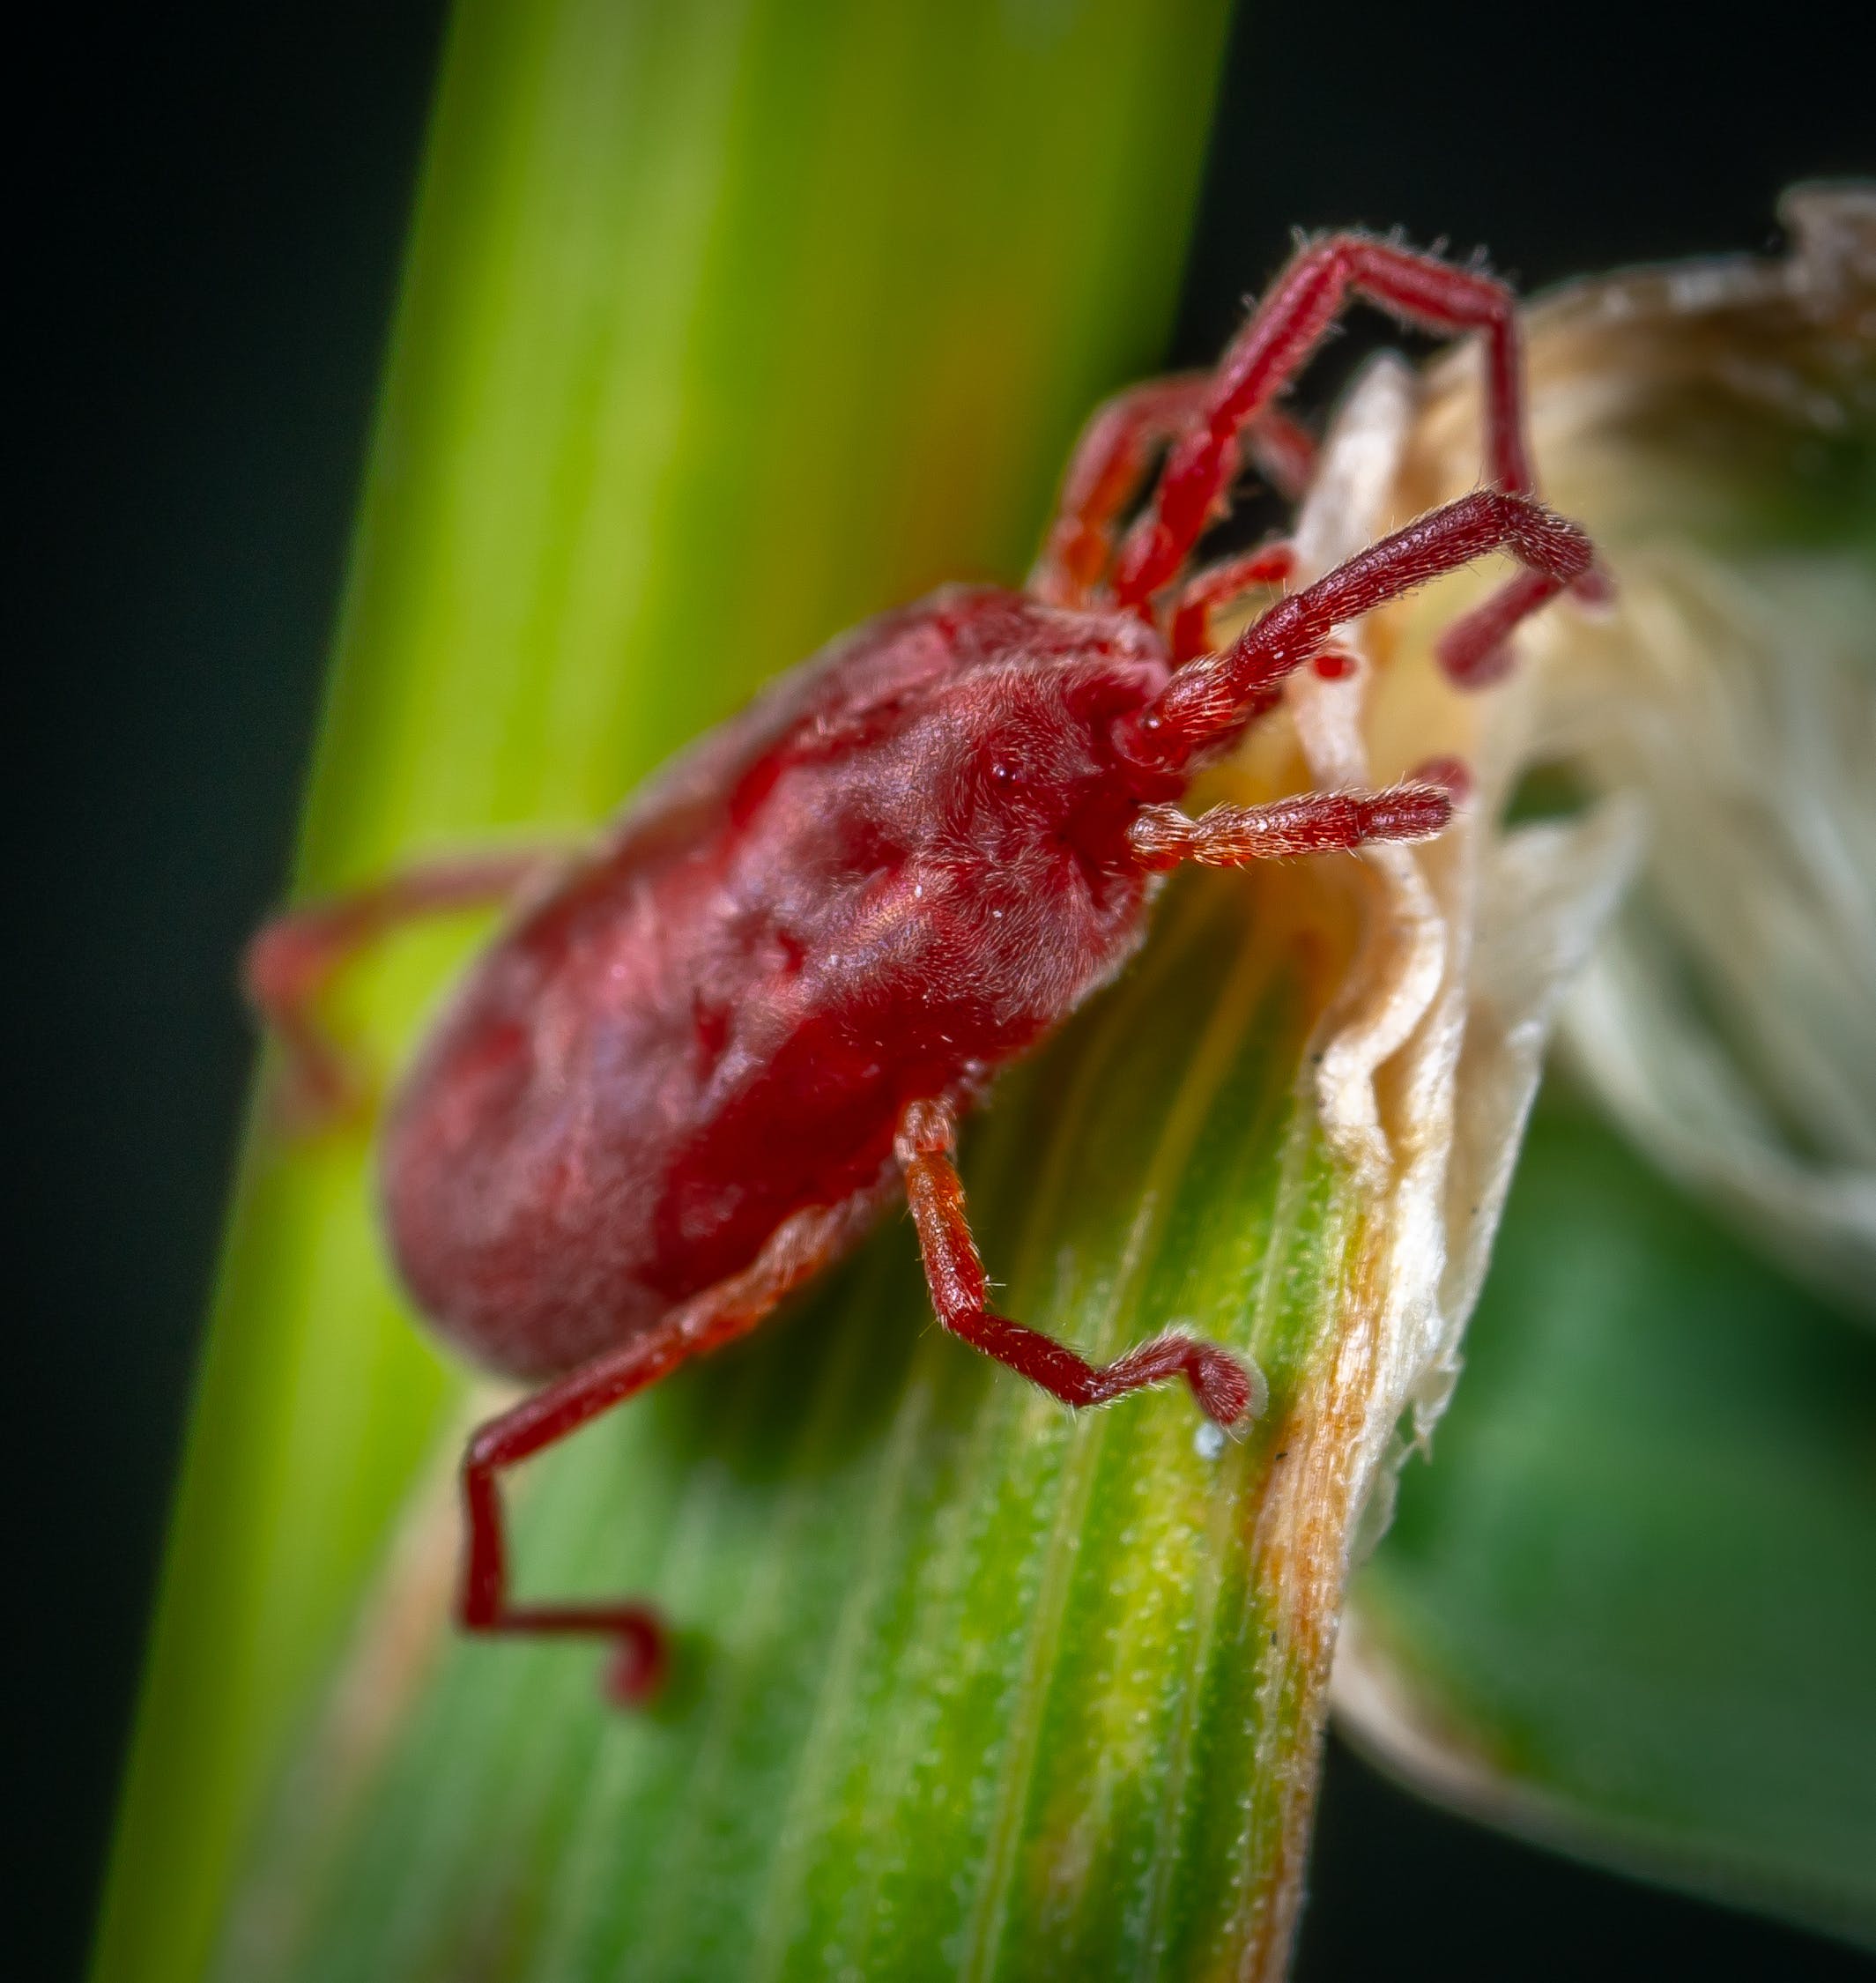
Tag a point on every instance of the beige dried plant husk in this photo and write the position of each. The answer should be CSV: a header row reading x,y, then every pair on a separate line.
x,y
1714,426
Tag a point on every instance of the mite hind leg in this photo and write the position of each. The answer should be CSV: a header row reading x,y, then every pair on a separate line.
x,y
800,1248
1228,1391
290,961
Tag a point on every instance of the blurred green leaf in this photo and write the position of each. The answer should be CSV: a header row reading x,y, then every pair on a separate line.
x,y
724,324
1631,1608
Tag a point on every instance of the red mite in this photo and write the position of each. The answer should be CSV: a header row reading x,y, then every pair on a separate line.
x,y
700,1058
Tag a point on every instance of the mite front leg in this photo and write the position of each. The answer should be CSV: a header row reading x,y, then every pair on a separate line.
x,y
799,1248
291,960
1418,290
1227,1391
1208,703
1313,823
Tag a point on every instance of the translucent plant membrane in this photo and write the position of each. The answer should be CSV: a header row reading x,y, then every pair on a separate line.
x,y
1714,424
967,1686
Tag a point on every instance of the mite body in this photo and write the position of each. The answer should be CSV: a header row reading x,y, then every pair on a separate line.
x,y
700,1058
897,871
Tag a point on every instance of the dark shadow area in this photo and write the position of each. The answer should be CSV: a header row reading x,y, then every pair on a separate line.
x,y
1557,141
1400,1890
217,200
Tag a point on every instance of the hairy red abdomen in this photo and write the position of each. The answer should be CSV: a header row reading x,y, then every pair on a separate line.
x,y
900,868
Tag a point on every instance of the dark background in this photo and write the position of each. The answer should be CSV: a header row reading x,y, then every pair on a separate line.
x,y
211,201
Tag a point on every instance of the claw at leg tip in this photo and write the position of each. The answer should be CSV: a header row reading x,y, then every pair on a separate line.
x,y
635,1672
1596,589
1452,774
1231,1389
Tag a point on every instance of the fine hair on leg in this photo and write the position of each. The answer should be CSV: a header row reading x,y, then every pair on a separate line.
x,y
1317,822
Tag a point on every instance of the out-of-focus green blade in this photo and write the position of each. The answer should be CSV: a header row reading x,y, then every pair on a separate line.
x,y
1631,1607
724,324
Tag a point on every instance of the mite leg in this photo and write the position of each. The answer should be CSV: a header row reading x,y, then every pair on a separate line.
x,y
1111,459
1476,650
1283,450
1270,564
1227,1391
799,1248
290,961
1312,823
1306,299
1209,703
